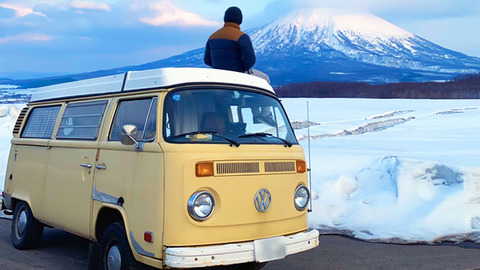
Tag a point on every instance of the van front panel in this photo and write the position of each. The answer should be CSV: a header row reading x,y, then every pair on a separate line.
x,y
245,137
235,217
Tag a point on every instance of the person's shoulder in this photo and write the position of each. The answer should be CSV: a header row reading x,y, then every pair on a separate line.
x,y
227,33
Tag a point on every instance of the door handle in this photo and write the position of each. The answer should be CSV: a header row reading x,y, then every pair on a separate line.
x,y
85,165
100,167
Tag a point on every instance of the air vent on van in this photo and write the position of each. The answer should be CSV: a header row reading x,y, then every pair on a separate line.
x,y
18,123
226,168
237,168
280,166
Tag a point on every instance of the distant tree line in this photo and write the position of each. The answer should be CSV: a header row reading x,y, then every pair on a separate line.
x,y
461,87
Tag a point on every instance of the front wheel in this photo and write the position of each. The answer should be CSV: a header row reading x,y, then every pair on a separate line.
x,y
115,253
26,229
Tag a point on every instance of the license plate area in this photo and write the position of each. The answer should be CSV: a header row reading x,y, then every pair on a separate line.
x,y
270,249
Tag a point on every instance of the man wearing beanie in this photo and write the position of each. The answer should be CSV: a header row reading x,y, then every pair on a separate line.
x,y
229,48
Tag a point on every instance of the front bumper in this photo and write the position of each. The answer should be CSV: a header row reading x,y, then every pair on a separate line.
x,y
261,250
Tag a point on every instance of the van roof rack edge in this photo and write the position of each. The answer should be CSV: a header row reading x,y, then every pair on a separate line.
x,y
146,79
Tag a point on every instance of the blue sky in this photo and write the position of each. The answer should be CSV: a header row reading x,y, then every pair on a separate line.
x,y
44,37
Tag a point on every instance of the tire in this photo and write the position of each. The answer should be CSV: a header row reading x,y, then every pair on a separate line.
x,y
26,230
114,251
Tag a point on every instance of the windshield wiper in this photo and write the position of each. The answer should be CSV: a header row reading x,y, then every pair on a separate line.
x,y
215,133
264,134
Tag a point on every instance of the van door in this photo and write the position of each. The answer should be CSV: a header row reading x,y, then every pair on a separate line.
x,y
68,191
133,178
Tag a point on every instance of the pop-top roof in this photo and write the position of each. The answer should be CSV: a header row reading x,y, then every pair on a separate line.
x,y
147,79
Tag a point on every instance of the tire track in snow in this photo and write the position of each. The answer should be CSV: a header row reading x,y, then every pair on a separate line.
x,y
373,126
366,128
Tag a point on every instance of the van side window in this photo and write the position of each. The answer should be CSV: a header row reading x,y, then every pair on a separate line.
x,y
41,122
140,112
82,120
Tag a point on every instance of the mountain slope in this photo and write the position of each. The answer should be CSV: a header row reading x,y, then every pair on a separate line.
x,y
362,38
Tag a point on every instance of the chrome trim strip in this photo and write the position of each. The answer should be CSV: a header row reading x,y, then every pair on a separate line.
x,y
139,249
103,197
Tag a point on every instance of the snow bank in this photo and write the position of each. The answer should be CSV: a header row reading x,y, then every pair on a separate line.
x,y
8,116
401,200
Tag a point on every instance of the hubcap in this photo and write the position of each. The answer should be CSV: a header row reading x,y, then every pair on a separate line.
x,y
21,223
114,258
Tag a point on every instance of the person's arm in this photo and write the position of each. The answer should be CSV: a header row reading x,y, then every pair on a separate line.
x,y
247,53
207,58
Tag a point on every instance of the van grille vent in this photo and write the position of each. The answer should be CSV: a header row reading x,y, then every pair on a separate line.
x,y
237,167
279,167
18,124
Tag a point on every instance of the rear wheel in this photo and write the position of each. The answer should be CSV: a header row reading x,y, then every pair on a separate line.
x,y
115,253
26,230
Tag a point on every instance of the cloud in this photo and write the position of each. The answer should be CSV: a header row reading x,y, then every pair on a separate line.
x,y
399,10
90,5
20,11
24,38
166,13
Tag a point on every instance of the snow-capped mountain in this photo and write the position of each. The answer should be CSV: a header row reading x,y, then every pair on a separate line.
x,y
335,39
330,45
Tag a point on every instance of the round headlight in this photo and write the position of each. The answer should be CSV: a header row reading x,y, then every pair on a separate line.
x,y
200,205
302,195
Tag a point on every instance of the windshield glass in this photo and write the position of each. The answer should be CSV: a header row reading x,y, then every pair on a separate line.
x,y
225,116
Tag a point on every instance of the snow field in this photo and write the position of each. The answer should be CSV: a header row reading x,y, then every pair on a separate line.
x,y
393,170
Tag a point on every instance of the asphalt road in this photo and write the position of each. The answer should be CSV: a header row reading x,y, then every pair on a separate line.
x,y
61,250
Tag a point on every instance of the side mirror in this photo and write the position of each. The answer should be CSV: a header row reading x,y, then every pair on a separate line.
x,y
128,135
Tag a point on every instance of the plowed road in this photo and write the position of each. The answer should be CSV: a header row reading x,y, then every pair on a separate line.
x,y
61,250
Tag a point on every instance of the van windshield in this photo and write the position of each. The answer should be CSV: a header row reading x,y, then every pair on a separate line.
x,y
225,116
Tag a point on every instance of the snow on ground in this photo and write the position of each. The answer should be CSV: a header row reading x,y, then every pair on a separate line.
x,y
393,170
8,116
382,170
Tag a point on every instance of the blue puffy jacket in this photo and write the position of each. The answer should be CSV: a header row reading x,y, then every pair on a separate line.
x,y
230,49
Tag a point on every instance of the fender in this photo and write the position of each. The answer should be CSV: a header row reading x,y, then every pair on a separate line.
x,y
138,252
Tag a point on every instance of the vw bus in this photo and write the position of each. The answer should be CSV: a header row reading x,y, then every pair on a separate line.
x,y
171,168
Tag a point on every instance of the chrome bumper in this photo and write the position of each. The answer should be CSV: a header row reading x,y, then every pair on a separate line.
x,y
261,250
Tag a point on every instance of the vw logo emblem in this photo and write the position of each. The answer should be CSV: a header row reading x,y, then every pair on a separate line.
x,y
263,199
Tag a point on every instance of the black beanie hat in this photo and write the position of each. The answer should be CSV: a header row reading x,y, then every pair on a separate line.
x,y
233,14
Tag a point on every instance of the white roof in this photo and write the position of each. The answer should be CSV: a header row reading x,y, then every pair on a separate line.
x,y
147,79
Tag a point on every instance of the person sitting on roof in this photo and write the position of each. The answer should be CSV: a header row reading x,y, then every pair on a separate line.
x,y
231,49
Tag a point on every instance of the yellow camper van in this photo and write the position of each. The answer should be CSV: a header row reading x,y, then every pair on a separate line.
x,y
171,168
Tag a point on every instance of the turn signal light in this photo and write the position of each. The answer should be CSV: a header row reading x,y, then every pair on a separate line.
x,y
148,237
204,169
301,166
